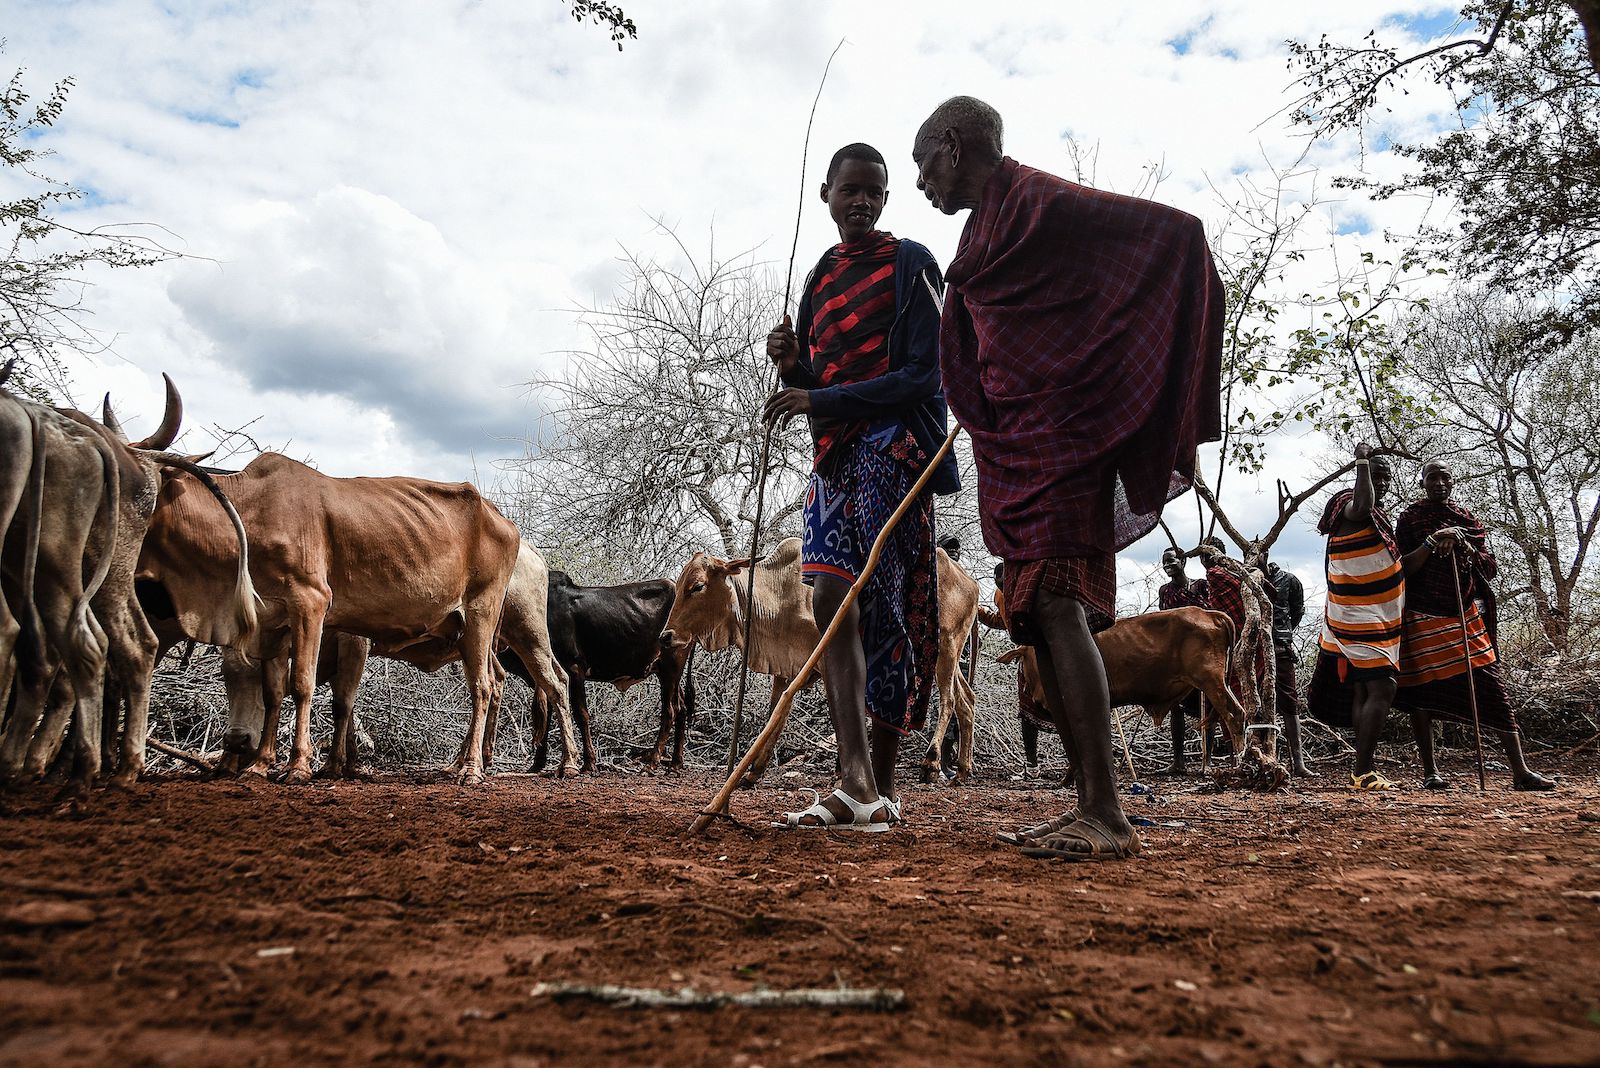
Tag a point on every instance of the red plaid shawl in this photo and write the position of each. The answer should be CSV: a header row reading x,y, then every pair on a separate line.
x,y
1430,588
1082,351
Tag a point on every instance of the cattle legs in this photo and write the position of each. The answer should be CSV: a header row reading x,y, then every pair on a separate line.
x,y
352,665
759,768
476,647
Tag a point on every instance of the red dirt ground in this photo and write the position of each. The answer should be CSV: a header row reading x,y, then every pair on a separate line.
x,y
1311,927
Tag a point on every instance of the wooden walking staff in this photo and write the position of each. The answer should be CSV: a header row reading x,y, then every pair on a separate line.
x,y
766,441
780,711
1472,686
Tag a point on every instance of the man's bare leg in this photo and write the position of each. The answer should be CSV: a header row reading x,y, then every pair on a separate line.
x,y
1373,698
844,674
885,750
1522,776
1074,680
1422,731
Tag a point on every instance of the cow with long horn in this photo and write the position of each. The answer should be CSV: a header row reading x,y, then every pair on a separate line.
x,y
131,645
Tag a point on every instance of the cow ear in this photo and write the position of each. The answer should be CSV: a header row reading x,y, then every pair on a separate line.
x,y
733,567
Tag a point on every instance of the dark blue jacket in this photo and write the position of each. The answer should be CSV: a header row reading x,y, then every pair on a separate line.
x,y
911,390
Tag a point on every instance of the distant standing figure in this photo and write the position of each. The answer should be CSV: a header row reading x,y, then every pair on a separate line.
x,y
1437,536
1288,609
1180,592
1359,649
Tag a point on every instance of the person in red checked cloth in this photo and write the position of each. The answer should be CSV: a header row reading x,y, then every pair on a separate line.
x,y
1081,344
1437,536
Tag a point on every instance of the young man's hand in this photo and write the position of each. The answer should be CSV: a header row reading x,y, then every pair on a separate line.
x,y
786,404
783,348
1363,450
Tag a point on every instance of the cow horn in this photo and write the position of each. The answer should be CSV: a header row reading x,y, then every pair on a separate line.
x,y
109,419
170,421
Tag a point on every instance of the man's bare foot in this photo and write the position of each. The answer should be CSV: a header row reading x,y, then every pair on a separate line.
x,y
1089,838
1029,835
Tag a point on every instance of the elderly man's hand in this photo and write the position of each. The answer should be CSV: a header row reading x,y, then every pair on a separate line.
x,y
783,348
786,404
1444,541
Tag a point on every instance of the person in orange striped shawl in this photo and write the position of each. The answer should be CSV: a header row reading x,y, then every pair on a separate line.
x,y
1435,537
1354,681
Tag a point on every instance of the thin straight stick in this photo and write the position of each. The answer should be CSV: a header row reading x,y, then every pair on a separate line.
x,y
1472,687
766,440
780,711
1126,751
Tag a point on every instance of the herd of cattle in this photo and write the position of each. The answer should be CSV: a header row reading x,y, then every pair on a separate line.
x,y
115,551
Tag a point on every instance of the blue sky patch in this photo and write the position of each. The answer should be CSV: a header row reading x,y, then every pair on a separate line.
x,y
210,118
1185,40
1427,27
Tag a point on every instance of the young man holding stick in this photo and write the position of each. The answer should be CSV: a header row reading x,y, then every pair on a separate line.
x,y
860,361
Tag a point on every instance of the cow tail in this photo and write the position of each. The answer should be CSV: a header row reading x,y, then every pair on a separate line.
x,y
1233,638
32,622
86,646
688,687
245,597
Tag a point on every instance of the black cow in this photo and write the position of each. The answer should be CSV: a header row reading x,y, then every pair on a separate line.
x,y
612,634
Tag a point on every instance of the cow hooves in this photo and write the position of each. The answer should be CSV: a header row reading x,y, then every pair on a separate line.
x,y
297,776
122,780
927,775
472,777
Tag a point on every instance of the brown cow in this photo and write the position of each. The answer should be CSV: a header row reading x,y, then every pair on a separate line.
x,y
402,561
64,525
131,645
709,608
1154,660
256,687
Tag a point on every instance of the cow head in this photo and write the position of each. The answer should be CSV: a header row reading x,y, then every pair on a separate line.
x,y
706,607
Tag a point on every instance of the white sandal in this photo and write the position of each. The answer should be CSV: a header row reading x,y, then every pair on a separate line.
x,y
893,808
860,815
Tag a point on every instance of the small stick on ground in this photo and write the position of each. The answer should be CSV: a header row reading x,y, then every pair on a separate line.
x,y
870,1000
180,754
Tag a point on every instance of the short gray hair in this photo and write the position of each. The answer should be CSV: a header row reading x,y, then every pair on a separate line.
x,y
979,125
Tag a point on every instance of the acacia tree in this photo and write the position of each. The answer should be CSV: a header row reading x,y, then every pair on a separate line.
x,y
1335,372
1520,165
1517,423
44,256
655,443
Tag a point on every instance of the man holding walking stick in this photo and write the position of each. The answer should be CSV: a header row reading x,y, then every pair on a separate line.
x,y
1081,347
860,361
1445,553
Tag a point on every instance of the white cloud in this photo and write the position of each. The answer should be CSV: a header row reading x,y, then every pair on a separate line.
x,y
400,205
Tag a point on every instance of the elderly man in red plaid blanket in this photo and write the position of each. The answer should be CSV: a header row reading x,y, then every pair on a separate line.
x,y
1081,345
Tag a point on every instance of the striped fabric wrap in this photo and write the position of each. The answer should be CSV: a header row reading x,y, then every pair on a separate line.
x,y
1432,647
1365,602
